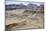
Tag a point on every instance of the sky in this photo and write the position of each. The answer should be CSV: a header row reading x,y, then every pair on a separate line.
x,y
25,3
26,0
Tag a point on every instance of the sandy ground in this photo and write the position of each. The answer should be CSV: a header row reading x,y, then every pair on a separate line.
x,y
32,21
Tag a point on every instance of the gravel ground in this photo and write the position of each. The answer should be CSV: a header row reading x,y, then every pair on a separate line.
x,y
24,20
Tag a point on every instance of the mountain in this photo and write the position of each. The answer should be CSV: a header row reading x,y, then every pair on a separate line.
x,y
22,6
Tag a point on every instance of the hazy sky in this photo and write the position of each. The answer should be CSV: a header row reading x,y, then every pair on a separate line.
x,y
25,0
14,2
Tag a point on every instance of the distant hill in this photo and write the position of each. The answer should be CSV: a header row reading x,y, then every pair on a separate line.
x,y
22,6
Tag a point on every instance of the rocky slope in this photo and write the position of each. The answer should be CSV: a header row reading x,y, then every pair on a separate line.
x,y
26,19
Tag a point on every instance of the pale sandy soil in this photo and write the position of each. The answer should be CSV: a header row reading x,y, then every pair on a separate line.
x,y
33,21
